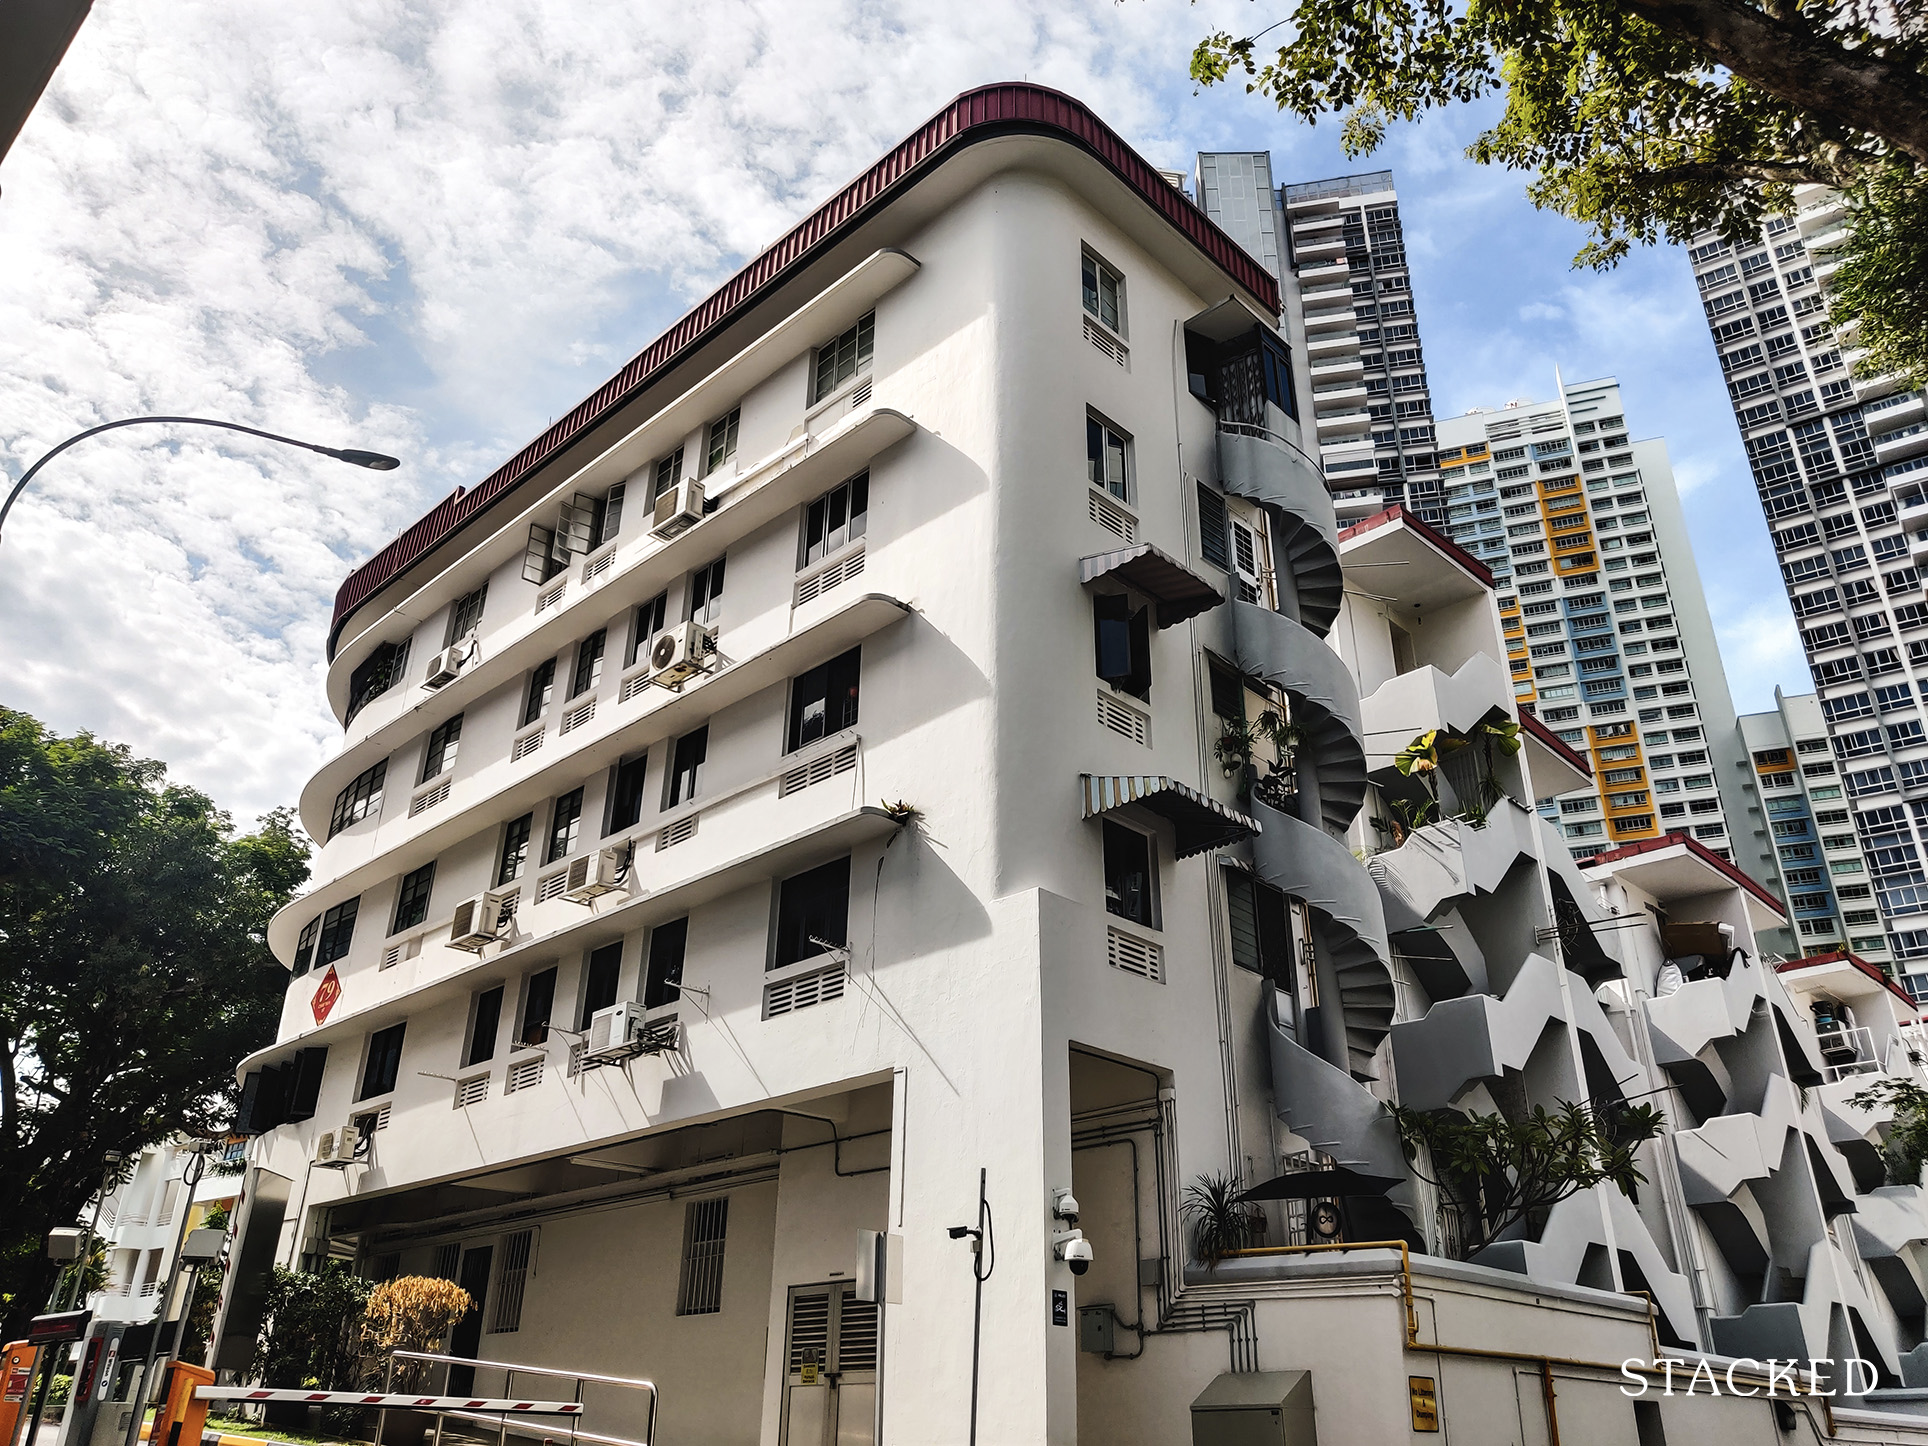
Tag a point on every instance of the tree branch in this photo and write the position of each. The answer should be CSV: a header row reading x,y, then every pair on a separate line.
x,y
1805,68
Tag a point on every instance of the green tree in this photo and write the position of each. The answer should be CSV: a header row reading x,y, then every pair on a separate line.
x,y
1905,1150
1504,1175
134,972
1646,119
311,1331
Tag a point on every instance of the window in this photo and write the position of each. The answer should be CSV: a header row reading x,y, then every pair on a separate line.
x,y
1129,880
1107,458
706,593
538,1001
722,440
699,1289
831,523
813,913
337,932
439,756
589,659
686,766
511,1281
844,357
411,903
305,947
647,623
1104,293
1261,938
515,850
359,799
484,1024
668,472
376,674
626,794
663,976
600,976
542,687
1213,528
823,701
565,826
384,1061
1122,642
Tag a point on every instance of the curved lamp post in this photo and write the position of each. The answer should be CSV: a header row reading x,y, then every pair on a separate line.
x,y
374,461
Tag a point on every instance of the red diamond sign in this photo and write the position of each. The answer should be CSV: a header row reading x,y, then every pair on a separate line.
x,y
326,993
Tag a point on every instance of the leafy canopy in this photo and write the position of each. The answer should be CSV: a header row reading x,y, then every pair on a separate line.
x,y
134,972
1649,119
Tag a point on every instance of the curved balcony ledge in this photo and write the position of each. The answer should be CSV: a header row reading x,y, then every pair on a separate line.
x,y
1272,646
643,567
1303,860
608,919
504,788
1330,1108
1253,466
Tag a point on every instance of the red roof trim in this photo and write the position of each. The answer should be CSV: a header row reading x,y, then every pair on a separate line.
x,y
1551,740
976,115
1478,570
1834,956
1670,840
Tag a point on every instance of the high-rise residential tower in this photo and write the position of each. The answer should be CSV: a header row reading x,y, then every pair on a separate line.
x,y
1610,639
1804,843
1339,252
1839,462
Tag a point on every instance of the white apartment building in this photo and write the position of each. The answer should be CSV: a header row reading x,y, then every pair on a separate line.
x,y
1839,462
1339,244
140,1222
1804,844
1610,639
835,776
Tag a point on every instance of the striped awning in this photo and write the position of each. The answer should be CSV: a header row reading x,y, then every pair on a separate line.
x,y
1201,823
1179,592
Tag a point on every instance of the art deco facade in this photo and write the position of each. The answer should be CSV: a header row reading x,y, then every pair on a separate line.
x,y
922,723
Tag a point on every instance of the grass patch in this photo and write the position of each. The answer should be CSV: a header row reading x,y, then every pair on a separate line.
x,y
241,1426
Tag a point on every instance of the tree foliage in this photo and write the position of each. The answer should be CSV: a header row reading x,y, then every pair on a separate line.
x,y
1905,1150
410,1313
1504,1176
311,1329
1648,119
134,972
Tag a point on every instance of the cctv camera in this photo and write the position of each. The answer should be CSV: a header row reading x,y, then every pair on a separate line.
x,y
1077,1255
1064,1205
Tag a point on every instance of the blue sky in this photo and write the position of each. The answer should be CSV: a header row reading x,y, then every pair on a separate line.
x,y
430,230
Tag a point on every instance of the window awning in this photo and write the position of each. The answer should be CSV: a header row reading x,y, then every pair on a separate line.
x,y
1201,823
1179,592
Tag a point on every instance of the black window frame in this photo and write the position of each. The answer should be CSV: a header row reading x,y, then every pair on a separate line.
x,y
412,897
337,933
381,670
1121,848
687,758
704,597
663,966
646,622
811,904
627,782
1258,922
536,1017
836,681
485,1027
586,676
719,440
602,977
465,615
541,692
359,798
513,857
565,827
444,743
305,947
382,1063
1121,643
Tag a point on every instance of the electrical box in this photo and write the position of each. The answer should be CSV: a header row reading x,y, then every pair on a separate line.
x,y
1257,1408
1097,1329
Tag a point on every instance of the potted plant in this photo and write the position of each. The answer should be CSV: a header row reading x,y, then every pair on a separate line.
x,y
1220,1222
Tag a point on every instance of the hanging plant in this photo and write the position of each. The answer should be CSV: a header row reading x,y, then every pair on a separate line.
x,y
1234,746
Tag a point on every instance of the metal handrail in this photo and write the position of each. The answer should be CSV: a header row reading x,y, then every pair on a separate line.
x,y
511,1369
1266,434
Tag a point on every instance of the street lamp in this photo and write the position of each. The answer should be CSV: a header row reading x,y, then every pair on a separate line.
x,y
374,461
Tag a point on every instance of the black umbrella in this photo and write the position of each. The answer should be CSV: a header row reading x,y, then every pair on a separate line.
x,y
1320,1185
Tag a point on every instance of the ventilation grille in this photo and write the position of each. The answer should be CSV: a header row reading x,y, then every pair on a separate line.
x,y
860,396
547,600
1134,955
525,745
471,1091
681,831
510,1280
818,770
391,956
574,1066
551,887
422,802
577,716
597,566
809,1330
633,685
1113,518
824,578
526,1075
1124,720
1107,343
856,1334
800,991
368,1124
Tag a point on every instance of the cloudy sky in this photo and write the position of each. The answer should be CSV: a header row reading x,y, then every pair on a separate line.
x,y
430,229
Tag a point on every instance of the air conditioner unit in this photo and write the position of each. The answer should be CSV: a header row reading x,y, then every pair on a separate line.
x,y
477,922
678,509
594,875
615,1032
680,653
335,1150
446,666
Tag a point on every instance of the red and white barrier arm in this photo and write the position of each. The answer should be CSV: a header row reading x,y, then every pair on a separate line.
x,y
414,1403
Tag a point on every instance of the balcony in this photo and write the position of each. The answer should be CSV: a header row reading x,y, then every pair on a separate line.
x,y
1821,216
1867,389
1339,393
1352,422
1896,446
1343,368
1328,346
1337,319
1327,244
1894,411
1314,272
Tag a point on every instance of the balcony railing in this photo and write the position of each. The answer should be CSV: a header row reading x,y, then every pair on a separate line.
x,y
1847,1052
